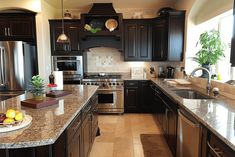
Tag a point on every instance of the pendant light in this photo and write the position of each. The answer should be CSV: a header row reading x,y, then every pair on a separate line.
x,y
62,38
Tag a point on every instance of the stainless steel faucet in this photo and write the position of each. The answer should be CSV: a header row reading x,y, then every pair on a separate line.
x,y
208,87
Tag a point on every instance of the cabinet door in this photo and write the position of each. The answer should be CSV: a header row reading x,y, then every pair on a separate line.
x,y
144,41
22,27
131,99
131,42
3,28
159,40
75,145
176,36
86,136
72,31
172,130
145,96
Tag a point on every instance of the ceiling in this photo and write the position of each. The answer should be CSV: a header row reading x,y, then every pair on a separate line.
x,y
85,4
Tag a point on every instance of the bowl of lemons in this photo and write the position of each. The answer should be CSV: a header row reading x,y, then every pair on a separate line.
x,y
11,117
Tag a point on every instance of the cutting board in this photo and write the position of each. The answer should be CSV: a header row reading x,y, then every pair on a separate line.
x,y
182,81
32,103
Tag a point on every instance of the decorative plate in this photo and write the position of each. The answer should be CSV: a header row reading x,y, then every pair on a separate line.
x,y
111,24
18,125
96,23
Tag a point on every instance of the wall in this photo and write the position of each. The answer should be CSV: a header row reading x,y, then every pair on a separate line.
x,y
43,39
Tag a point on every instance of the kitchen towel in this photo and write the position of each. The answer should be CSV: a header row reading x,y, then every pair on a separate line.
x,y
58,79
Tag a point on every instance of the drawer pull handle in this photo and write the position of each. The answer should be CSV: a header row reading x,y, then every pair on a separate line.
x,y
5,31
216,151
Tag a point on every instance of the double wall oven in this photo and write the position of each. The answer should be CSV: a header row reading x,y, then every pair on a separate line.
x,y
110,92
72,67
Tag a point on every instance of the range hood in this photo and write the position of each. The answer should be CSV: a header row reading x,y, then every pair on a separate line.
x,y
98,15
102,9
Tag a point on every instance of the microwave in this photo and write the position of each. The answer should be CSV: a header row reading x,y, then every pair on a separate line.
x,y
72,66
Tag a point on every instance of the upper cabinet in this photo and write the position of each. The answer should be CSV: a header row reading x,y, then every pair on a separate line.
x,y
168,36
19,26
137,40
101,27
71,28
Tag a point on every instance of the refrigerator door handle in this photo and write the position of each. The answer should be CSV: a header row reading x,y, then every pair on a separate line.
x,y
2,70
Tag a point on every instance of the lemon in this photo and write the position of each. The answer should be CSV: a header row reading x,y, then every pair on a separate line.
x,y
19,116
8,121
10,113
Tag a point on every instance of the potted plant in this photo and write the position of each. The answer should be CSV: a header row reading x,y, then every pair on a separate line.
x,y
211,50
37,87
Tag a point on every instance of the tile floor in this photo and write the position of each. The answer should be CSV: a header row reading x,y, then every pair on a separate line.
x,y
120,136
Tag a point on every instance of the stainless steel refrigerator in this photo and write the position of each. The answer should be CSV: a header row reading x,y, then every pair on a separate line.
x,y
18,63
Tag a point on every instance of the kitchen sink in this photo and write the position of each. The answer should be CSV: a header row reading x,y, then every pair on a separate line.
x,y
191,94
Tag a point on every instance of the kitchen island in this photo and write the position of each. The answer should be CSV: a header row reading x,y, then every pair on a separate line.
x,y
54,128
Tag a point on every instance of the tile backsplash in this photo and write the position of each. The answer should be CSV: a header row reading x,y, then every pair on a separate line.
x,y
104,59
110,60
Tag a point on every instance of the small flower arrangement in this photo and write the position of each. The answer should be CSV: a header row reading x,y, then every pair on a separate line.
x,y
37,87
52,86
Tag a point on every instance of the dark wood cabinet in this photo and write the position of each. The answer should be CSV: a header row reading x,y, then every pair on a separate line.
x,y
86,136
217,148
18,26
138,40
137,97
131,96
167,117
72,29
74,138
168,36
159,40
75,145
146,103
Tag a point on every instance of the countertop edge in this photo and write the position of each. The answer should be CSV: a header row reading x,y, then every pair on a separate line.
x,y
50,140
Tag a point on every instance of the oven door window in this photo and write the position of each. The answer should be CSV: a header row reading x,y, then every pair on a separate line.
x,y
67,66
106,98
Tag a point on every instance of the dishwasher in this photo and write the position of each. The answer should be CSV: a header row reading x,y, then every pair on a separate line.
x,y
188,135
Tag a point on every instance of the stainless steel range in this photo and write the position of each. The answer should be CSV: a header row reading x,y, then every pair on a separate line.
x,y
110,91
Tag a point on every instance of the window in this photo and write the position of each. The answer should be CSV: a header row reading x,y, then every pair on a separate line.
x,y
224,24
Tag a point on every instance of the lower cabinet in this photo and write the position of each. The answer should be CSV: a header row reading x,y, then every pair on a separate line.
x,y
166,115
137,96
86,136
212,146
75,145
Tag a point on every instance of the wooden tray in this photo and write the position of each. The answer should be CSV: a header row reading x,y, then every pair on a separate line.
x,y
32,103
57,93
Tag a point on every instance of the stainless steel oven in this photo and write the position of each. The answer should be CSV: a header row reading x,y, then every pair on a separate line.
x,y
72,66
110,91
110,101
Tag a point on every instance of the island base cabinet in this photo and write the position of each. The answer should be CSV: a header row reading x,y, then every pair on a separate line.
x,y
58,149
75,146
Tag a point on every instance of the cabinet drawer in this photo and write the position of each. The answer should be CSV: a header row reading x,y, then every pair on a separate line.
x,y
217,148
86,110
131,83
73,127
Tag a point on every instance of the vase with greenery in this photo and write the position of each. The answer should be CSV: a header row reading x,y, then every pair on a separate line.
x,y
37,87
211,50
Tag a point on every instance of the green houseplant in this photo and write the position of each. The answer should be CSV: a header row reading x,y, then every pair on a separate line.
x,y
37,87
211,49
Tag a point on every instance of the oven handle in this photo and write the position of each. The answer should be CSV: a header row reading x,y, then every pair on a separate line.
x,y
67,61
110,90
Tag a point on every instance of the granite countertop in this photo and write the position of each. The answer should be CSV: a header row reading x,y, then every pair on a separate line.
x,y
217,114
48,123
